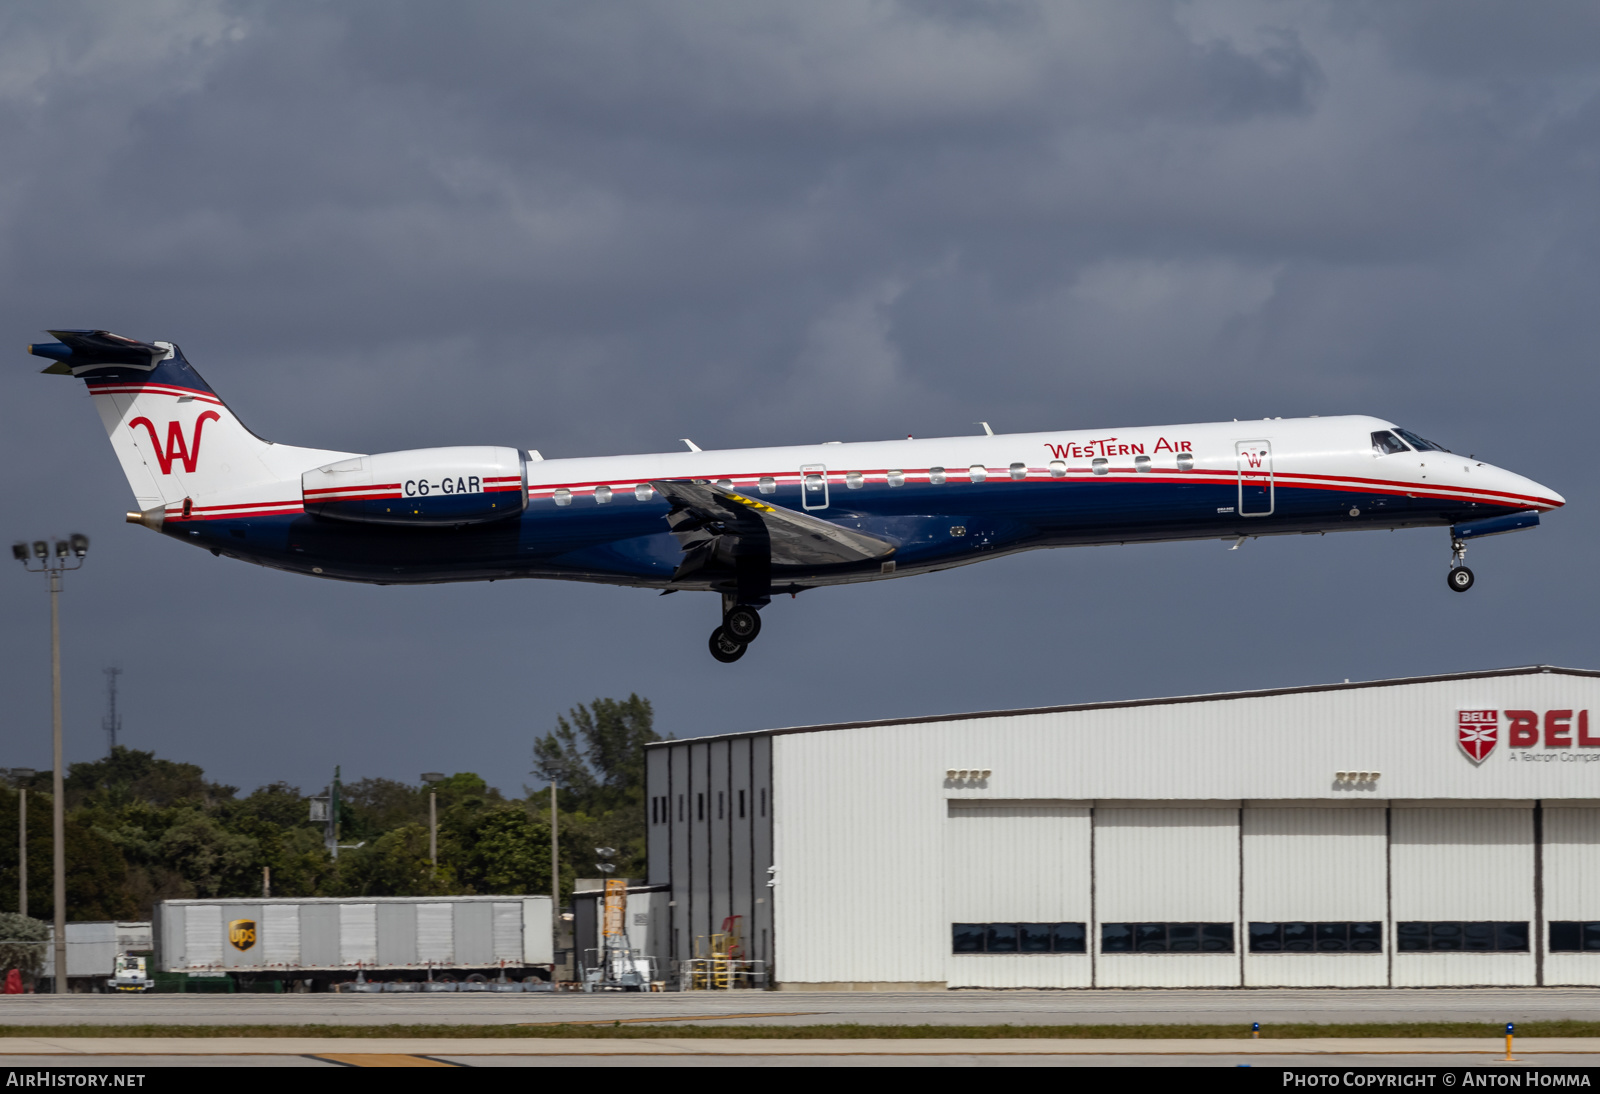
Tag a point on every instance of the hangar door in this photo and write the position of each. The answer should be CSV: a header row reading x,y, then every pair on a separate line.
x,y
1017,894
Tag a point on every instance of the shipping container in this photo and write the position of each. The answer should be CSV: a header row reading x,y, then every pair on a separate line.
x,y
328,936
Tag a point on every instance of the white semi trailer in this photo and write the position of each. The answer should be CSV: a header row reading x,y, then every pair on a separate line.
x,y
393,943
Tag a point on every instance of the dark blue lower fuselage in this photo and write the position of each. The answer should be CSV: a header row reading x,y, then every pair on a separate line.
x,y
626,541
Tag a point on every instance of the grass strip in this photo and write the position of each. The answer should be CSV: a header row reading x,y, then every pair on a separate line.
x,y
842,1031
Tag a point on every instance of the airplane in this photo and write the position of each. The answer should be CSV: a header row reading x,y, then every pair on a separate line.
x,y
751,524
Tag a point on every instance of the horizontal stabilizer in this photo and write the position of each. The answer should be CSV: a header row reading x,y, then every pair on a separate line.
x,y
798,539
81,349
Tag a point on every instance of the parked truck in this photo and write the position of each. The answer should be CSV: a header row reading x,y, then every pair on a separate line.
x,y
486,943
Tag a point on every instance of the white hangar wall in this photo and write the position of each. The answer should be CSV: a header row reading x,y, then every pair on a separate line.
x,y
1218,811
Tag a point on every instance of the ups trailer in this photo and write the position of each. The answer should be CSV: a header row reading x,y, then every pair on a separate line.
x,y
461,943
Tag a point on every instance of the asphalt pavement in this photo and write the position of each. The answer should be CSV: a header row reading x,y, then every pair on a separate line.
x,y
1124,1007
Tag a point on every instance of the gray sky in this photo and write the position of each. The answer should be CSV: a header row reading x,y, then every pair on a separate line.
x,y
596,228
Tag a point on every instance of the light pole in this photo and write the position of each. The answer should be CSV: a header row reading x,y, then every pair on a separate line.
x,y
55,562
431,777
20,774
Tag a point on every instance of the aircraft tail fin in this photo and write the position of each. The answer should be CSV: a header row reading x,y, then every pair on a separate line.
x,y
174,436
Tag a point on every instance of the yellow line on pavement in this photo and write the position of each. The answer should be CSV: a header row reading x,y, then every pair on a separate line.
x,y
386,1059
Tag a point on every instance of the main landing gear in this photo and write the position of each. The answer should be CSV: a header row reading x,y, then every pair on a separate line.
x,y
1460,578
740,625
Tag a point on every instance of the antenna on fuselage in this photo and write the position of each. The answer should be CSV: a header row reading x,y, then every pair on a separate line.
x,y
986,428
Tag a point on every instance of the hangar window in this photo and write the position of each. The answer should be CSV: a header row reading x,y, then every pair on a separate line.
x,y
1141,464
936,475
1570,936
767,485
719,805
1018,938
700,806
1185,461
644,491
763,801
1166,938
1019,470
680,808
1316,937
897,478
1101,465
1448,936
1385,443
1058,469
602,494
853,480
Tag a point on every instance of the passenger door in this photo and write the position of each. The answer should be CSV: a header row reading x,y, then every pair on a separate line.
x,y
1255,478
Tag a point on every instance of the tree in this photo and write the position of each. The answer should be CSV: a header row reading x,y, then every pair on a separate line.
x,y
22,944
597,758
129,775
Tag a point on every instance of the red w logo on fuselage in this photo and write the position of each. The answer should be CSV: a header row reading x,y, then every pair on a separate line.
x,y
188,454
1253,458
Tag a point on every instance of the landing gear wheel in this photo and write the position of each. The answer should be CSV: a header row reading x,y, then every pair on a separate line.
x,y
1460,579
726,648
743,623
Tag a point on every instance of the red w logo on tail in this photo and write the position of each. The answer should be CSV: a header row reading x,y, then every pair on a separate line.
x,y
189,454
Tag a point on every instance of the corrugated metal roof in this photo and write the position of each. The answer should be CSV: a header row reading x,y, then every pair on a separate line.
x,y
1212,697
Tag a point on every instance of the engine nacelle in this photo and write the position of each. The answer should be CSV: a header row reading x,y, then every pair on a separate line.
x,y
425,486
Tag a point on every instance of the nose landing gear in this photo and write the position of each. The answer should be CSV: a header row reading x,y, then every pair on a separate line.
x,y
740,625
1460,578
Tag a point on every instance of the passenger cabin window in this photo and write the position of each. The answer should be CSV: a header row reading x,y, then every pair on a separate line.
x,y
562,496
767,485
1185,461
936,475
1058,469
1101,465
1141,464
1419,443
602,495
977,472
853,480
644,491
897,478
1019,470
814,484
726,484
1385,443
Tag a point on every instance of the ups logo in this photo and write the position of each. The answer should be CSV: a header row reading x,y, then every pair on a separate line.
x,y
242,933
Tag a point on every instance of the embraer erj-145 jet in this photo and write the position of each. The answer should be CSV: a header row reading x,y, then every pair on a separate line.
x,y
753,523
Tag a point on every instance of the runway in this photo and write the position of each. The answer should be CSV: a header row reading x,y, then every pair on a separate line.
x,y
148,1053
1163,1007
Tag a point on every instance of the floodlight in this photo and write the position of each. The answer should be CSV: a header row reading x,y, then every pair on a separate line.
x,y
41,549
61,548
605,852
606,867
432,776
19,551
80,544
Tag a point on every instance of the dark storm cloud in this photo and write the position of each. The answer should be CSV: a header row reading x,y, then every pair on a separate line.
x,y
598,228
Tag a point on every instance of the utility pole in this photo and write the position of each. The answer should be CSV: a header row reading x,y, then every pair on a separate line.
x,y
53,560
113,721
22,851
555,857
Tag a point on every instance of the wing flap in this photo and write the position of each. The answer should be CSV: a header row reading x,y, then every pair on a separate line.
x,y
797,539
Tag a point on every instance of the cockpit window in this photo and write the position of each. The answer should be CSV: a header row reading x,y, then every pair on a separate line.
x,y
1385,443
1419,444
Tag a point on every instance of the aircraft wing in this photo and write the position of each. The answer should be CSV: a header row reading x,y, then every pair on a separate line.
x,y
797,539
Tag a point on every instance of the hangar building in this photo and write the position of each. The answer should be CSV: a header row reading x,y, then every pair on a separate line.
x,y
1440,830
